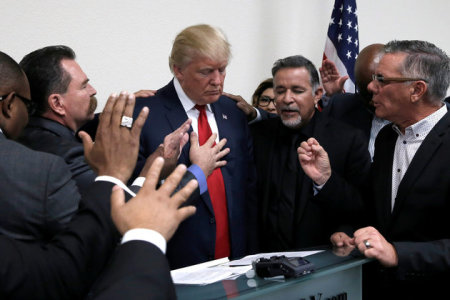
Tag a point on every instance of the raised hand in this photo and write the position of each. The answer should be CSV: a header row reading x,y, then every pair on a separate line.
x,y
152,208
170,150
207,156
116,147
332,81
314,161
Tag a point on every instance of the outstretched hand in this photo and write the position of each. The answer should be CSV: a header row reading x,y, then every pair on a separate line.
x,y
116,147
207,156
243,105
332,81
170,150
314,161
152,208
144,93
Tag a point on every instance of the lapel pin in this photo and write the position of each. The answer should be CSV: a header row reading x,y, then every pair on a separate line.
x,y
224,116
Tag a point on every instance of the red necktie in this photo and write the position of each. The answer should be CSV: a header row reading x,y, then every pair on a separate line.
x,y
216,190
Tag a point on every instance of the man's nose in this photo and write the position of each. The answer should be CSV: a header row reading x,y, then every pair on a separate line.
x,y
216,78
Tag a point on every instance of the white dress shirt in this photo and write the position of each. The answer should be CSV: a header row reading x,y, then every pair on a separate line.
x,y
193,113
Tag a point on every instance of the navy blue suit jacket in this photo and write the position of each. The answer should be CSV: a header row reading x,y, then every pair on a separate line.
x,y
194,241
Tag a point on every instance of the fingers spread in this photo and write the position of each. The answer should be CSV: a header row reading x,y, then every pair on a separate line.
x,y
194,139
87,141
173,180
139,122
117,198
118,110
152,178
182,195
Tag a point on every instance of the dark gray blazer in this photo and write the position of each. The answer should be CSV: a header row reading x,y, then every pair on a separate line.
x,y
38,197
46,135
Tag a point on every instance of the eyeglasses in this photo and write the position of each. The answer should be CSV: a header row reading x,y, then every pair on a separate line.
x,y
386,80
265,101
30,105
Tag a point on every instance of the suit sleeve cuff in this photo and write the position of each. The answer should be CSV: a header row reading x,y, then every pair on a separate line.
x,y
146,235
200,176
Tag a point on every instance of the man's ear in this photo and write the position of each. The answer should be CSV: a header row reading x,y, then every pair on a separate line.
x,y
418,89
56,104
178,73
318,94
7,105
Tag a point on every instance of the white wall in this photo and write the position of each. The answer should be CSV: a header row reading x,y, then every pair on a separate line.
x,y
124,45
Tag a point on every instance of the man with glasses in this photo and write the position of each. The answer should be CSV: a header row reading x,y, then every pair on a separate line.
x,y
291,214
38,196
355,109
409,196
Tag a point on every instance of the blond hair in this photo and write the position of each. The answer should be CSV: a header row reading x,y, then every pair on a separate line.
x,y
199,40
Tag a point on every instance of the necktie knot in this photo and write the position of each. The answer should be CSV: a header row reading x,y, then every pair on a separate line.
x,y
199,107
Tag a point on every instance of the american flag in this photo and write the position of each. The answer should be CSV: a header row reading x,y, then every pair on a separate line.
x,y
342,44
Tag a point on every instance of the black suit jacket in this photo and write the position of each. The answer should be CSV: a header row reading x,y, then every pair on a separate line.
x,y
38,197
350,108
194,241
315,218
46,135
418,226
138,270
66,267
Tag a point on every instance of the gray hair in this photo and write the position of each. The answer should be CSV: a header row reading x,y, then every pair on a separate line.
x,y
424,60
298,61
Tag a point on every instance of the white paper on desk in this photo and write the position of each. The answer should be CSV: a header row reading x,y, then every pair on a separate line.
x,y
200,277
250,258
201,274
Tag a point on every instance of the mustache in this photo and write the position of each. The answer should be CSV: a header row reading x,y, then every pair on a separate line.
x,y
283,108
92,104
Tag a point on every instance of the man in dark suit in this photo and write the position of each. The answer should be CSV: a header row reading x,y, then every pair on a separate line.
x,y
65,267
221,225
409,197
65,102
291,215
38,196
354,109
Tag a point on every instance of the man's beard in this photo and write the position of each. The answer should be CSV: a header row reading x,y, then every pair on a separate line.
x,y
294,124
92,105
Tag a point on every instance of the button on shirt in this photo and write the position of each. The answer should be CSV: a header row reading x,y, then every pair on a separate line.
x,y
193,113
407,145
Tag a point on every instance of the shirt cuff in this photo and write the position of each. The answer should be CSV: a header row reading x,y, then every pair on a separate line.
x,y
117,182
258,116
317,188
146,235
200,176
139,181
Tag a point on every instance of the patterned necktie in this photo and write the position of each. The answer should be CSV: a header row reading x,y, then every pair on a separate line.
x,y
216,189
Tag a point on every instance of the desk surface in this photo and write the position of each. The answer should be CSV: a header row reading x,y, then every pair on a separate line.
x,y
326,263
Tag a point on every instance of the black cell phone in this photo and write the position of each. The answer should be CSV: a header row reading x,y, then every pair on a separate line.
x,y
282,265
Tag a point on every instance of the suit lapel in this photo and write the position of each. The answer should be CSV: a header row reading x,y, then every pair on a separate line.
x,y
383,160
221,116
176,115
421,159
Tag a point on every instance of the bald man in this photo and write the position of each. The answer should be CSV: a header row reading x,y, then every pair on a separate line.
x,y
355,109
